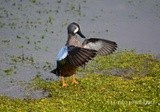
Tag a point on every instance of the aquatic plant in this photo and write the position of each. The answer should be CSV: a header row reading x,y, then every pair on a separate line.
x,y
100,89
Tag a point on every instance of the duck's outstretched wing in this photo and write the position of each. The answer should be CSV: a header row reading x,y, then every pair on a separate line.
x,y
102,46
76,56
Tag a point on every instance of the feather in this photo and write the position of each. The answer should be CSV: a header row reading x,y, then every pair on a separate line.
x,y
79,56
102,46
62,53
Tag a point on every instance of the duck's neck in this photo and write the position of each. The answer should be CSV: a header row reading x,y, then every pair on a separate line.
x,y
72,40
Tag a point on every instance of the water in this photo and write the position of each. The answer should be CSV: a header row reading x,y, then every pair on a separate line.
x,y
33,31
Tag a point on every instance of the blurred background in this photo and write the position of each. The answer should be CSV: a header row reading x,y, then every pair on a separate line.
x,y
33,31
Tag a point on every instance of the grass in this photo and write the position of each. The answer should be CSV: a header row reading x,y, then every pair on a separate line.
x,y
122,82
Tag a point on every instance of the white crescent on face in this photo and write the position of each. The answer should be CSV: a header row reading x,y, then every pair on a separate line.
x,y
76,30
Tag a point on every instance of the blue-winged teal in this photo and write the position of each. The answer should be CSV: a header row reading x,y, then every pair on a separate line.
x,y
75,53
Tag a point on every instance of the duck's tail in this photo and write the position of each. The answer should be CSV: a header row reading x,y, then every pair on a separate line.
x,y
56,71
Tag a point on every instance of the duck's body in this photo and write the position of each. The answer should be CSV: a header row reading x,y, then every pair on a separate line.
x,y
73,40
75,53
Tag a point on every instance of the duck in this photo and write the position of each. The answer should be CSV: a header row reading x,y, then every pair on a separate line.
x,y
76,54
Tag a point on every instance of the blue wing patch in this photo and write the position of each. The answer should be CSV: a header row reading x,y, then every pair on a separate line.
x,y
62,53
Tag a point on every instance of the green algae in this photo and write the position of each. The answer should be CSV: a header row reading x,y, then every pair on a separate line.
x,y
100,89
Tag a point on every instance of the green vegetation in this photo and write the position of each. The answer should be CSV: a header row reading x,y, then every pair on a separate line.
x,y
122,82
8,71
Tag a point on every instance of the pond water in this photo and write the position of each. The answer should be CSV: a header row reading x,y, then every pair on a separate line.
x,y
33,31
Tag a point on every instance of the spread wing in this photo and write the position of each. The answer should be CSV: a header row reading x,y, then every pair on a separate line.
x,y
102,46
76,56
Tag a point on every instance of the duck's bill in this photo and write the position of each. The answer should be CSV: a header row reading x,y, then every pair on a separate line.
x,y
80,34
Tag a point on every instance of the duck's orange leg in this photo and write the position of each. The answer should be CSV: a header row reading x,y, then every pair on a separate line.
x,y
63,82
74,79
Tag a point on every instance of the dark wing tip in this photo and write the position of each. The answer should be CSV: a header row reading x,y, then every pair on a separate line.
x,y
108,48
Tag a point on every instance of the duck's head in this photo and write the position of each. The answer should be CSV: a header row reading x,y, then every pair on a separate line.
x,y
74,28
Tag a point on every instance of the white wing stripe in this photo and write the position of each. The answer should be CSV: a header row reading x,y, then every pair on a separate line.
x,y
95,46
